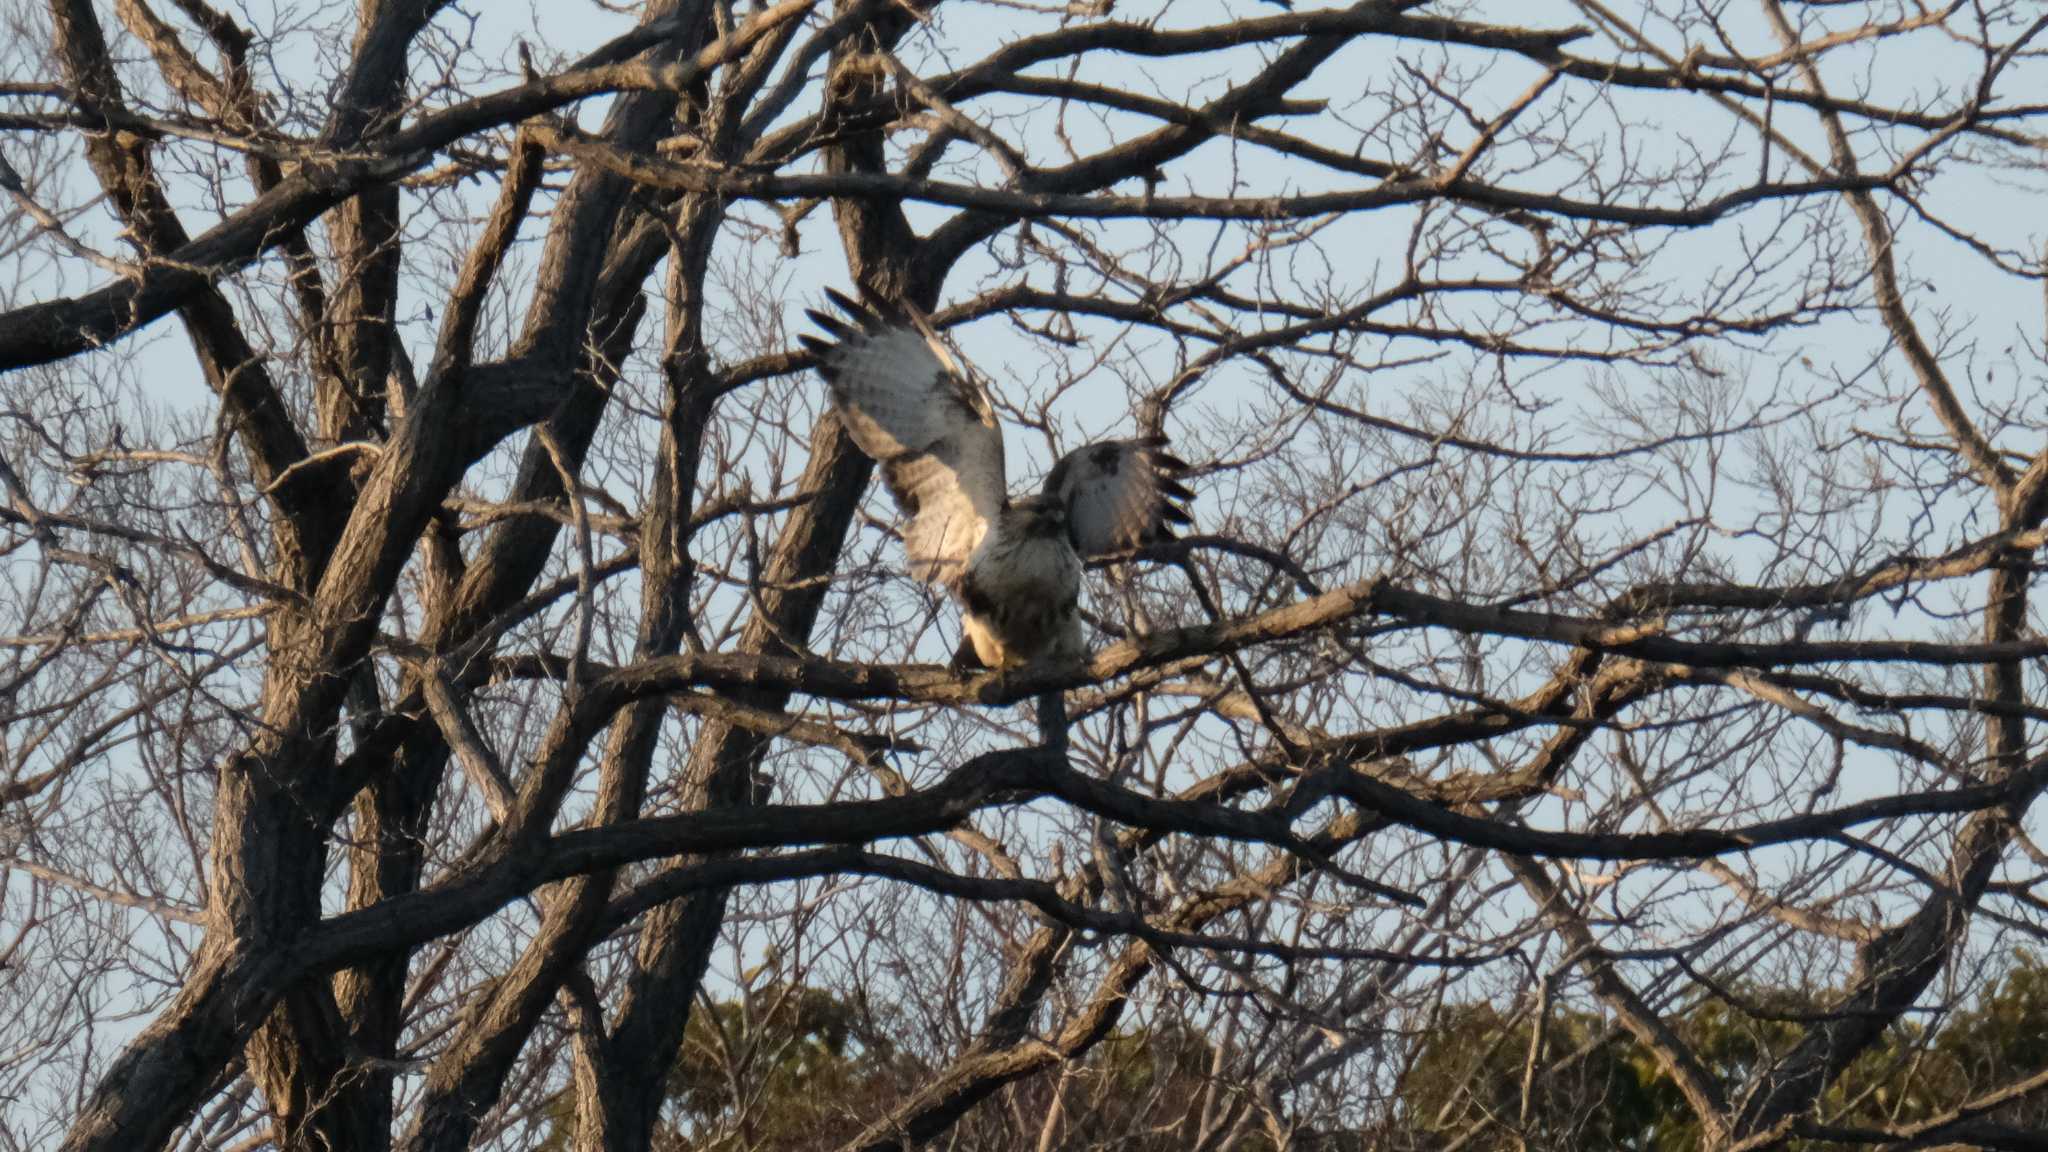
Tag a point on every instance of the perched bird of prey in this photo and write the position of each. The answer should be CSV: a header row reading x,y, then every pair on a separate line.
x,y
1013,564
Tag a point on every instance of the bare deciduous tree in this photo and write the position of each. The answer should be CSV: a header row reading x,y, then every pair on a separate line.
x,y
459,689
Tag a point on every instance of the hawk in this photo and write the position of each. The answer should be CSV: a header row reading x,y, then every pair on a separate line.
x,y
1014,564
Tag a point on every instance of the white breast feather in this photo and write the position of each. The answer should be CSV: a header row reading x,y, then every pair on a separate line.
x,y
1029,584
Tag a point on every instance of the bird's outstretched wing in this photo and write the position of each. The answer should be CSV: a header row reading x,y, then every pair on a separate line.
x,y
931,428
1119,495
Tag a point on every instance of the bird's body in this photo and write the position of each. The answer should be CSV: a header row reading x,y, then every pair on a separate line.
x,y
1020,594
1014,565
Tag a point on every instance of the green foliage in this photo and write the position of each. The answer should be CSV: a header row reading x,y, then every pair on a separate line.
x,y
1139,1091
792,1068
1600,1088
795,1068
1591,1093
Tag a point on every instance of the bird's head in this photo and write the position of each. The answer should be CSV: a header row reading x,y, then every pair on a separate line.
x,y
1036,515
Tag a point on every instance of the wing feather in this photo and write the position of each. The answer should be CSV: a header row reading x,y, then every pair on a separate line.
x,y
1119,495
910,407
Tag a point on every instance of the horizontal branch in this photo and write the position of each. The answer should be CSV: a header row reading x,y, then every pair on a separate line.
x,y
1015,775
1677,844
155,906
991,778
658,172
827,678
1041,894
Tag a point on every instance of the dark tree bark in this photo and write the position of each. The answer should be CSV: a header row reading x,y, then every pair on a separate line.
x,y
489,707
